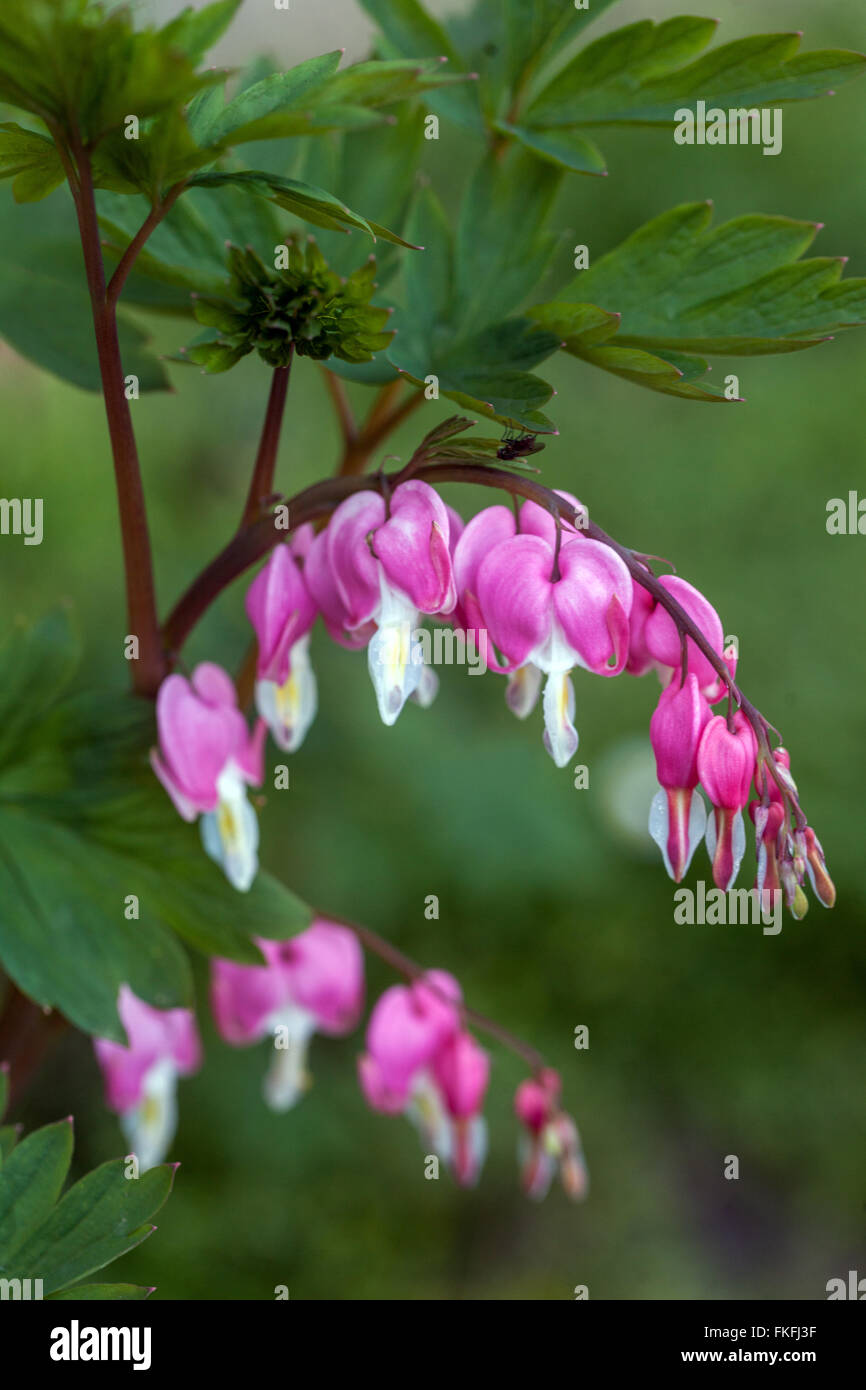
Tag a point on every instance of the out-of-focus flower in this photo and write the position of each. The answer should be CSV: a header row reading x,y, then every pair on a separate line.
x,y
421,1062
314,982
141,1077
551,1139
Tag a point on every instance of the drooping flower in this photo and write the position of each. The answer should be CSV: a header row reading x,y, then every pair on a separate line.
x,y
482,533
314,982
785,858
461,1071
726,765
768,820
373,570
640,658
551,1140
678,817
663,643
557,612
816,867
420,1062
141,1077
282,611
205,760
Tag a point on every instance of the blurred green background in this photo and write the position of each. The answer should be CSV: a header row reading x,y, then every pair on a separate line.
x,y
704,1041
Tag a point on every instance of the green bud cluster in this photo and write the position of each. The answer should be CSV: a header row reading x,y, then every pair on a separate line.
x,y
305,308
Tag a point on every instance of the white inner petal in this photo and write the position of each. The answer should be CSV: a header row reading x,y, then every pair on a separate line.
x,y
524,686
394,656
290,1030
150,1127
427,688
289,709
560,735
555,653
230,834
427,1113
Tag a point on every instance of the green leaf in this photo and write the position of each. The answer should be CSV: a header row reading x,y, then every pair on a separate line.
x,y
9,1136
370,168
100,1218
83,825
564,147
188,248
164,154
488,372
100,1293
244,118
108,69
30,160
535,34
429,279
30,1183
376,83
642,73
305,201
38,665
45,311
739,288
483,370
215,357
512,398
674,374
502,248
576,325
414,34
4,1087
193,32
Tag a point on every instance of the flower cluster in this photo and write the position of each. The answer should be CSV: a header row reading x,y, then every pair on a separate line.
x,y
420,1058
540,597
721,753
421,1062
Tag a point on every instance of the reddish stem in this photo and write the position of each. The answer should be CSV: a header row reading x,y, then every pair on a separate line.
x,y
149,669
130,255
381,421
404,965
262,481
342,406
27,1033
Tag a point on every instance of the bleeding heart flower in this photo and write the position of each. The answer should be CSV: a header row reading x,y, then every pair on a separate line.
x,y
377,568
141,1077
205,759
552,1139
678,818
726,765
314,982
419,1062
557,612
282,611
662,640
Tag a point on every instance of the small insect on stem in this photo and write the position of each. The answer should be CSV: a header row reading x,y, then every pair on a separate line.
x,y
517,446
